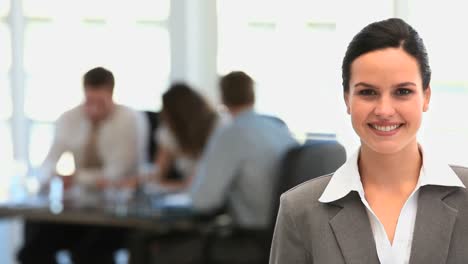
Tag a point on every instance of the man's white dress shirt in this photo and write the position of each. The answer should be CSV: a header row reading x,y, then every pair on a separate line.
x,y
121,143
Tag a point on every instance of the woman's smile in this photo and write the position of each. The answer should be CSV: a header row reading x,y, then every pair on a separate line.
x,y
385,129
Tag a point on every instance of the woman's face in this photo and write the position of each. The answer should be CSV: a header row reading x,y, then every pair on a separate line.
x,y
386,99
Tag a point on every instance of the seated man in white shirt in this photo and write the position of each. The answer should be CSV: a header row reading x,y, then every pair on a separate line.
x,y
107,141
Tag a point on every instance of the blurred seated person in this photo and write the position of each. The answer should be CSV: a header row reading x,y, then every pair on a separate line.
x,y
188,124
240,167
107,141
237,171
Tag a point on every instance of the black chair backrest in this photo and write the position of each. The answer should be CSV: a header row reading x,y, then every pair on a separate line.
x,y
305,162
153,123
152,146
275,119
311,160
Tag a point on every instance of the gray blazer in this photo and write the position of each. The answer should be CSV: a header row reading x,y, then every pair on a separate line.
x,y
308,231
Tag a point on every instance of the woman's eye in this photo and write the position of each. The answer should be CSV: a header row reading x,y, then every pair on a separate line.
x,y
367,92
403,91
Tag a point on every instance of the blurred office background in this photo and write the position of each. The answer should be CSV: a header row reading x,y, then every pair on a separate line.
x,y
292,48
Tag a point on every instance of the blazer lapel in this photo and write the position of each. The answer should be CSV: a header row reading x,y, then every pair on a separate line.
x,y
352,230
435,220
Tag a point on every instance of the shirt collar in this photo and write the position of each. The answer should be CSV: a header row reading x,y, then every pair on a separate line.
x,y
437,172
347,178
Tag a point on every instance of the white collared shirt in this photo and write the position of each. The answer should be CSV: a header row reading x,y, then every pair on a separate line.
x,y
121,143
347,179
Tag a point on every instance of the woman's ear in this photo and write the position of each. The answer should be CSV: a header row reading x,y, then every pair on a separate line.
x,y
427,98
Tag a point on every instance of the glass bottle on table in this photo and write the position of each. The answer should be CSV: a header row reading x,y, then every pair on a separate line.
x,y
65,168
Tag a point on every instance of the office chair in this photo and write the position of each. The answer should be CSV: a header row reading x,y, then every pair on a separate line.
x,y
275,119
153,123
311,160
299,164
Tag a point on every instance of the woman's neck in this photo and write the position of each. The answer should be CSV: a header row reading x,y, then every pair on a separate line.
x,y
397,170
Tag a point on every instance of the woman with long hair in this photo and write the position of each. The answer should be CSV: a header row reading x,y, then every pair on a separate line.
x,y
188,121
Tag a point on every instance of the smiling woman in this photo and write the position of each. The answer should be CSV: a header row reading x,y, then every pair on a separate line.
x,y
387,202
386,100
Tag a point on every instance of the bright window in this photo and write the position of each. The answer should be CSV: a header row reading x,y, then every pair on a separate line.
x,y
63,40
445,127
52,65
5,49
293,50
41,137
6,149
5,63
146,52
59,49
5,99
98,9
4,7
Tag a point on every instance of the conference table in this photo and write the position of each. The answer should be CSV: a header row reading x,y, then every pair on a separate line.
x,y
145,214
140,211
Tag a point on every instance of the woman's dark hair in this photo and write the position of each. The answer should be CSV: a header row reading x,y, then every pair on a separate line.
x,y
390,33
189,116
